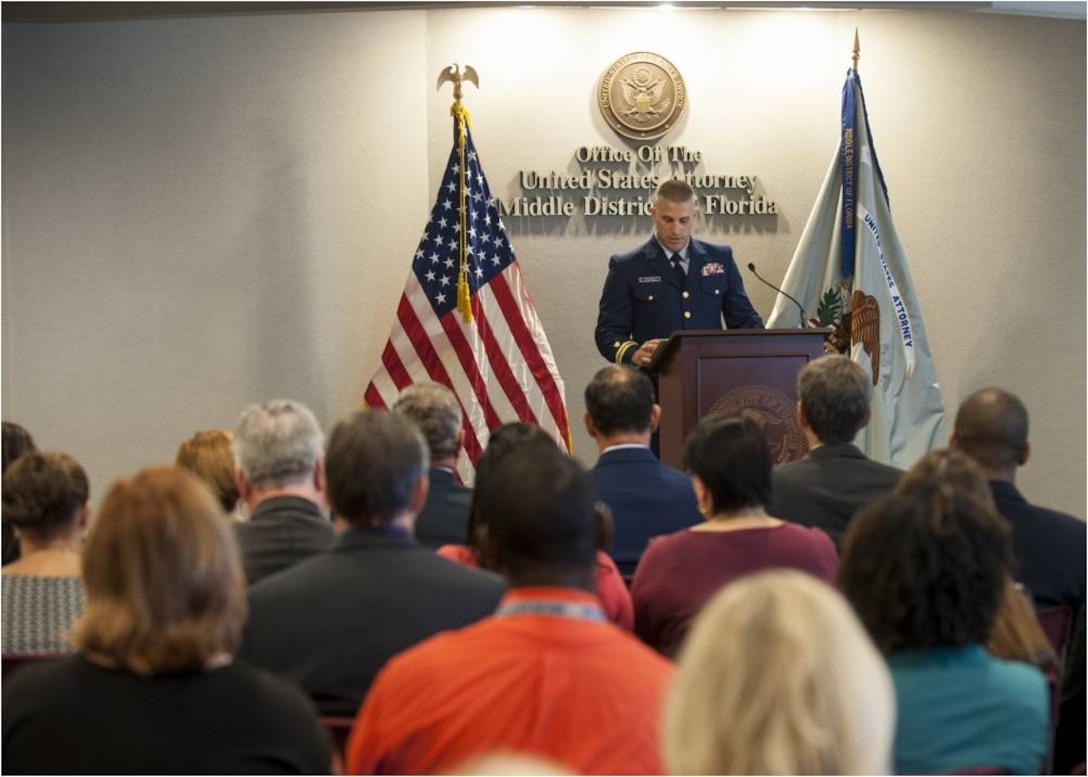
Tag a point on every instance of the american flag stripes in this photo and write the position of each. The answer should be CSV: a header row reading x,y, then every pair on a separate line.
x,y
493,352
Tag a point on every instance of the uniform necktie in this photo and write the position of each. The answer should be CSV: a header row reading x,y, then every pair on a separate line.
x,y
678,268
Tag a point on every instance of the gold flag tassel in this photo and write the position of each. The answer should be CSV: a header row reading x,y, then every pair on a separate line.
x,y
464,290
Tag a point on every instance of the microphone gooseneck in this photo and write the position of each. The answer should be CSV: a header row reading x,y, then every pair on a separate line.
x,y
804,318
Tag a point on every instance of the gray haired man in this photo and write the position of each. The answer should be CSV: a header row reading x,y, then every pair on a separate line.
x,y
435,410
279,468
835,479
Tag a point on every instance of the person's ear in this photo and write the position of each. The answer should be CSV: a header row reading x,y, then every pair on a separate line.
x,y
655,417
245,490
419,493
1025,454
800,413
319,475
85,516
868,417
702,496
487,552
953,441
591,430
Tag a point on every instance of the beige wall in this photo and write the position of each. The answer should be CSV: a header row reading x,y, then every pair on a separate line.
x,y
201,213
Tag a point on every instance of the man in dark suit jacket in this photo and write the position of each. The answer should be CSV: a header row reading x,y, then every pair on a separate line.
x,y
834,479
331,622
992,428
281,478
646,497
672,282
437,413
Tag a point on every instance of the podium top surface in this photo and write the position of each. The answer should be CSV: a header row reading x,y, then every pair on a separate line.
x,y
666,350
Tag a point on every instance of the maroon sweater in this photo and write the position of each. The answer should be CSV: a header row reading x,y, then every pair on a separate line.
x,y
680,572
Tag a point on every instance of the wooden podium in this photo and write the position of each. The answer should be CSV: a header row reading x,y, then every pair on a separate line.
x,y
711,370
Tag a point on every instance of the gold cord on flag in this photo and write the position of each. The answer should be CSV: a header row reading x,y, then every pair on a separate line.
x,y
464,291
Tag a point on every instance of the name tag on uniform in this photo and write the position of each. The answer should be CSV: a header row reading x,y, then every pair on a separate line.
x,y
650,279
713,268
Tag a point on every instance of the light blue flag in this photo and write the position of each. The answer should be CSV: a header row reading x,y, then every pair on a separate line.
x,y
850,260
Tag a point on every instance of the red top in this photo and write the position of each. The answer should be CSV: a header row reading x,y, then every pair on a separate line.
x,y
615,597
680,572
564,687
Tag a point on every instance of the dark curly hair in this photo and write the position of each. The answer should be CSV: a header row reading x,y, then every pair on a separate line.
x,y
503,440
926,569
43,494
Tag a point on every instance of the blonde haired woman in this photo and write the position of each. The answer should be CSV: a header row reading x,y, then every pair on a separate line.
x,y
779,677
208,455
154,688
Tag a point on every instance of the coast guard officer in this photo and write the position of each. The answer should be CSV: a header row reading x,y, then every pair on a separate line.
x,y
672,282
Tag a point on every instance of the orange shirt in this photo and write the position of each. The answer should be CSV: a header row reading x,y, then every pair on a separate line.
x,y
580,692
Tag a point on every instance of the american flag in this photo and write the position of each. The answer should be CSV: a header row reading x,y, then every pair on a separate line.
x,y
496,359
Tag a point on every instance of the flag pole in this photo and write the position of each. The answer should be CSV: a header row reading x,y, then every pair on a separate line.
x,y
857,50
461,118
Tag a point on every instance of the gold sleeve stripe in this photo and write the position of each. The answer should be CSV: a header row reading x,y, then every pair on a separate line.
x,y
623,349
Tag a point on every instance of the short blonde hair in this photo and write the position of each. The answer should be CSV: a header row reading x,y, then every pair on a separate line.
x,y
207,454
165,588
778,677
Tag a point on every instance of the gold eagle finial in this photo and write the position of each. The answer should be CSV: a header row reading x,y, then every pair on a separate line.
x,y
456,76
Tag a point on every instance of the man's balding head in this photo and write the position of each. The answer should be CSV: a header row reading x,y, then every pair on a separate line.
x,y
620,400
992,428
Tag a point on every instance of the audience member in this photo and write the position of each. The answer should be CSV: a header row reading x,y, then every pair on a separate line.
x,y
779,677
437,413
926,572
332,621
826,487
730,463
46,500
613,593
1017,635
1050,547
153,689
547,676
992,428
281,479
16,442
207,454
646,497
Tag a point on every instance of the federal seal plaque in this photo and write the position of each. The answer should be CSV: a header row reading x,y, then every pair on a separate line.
x,y
774,412
642,95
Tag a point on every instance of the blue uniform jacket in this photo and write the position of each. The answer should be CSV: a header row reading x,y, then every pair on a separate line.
x,y
642,300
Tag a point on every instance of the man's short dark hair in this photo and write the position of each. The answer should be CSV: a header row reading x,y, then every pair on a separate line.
x,y
992,428
437,413
835,394
374,460
673,190
926,569
539,505
620,399
732,457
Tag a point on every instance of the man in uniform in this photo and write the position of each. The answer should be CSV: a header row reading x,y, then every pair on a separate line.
x,y
672,282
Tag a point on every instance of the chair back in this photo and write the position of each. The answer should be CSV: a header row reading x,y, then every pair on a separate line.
x,y
339,728
12,662
1057,623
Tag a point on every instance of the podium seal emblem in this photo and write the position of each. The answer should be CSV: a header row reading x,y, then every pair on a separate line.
x,y
642,96
774,412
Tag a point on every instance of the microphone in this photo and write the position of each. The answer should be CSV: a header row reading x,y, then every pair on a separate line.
x,y
804,318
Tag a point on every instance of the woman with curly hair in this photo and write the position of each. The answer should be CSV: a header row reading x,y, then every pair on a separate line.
x,y
45,498
926,572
